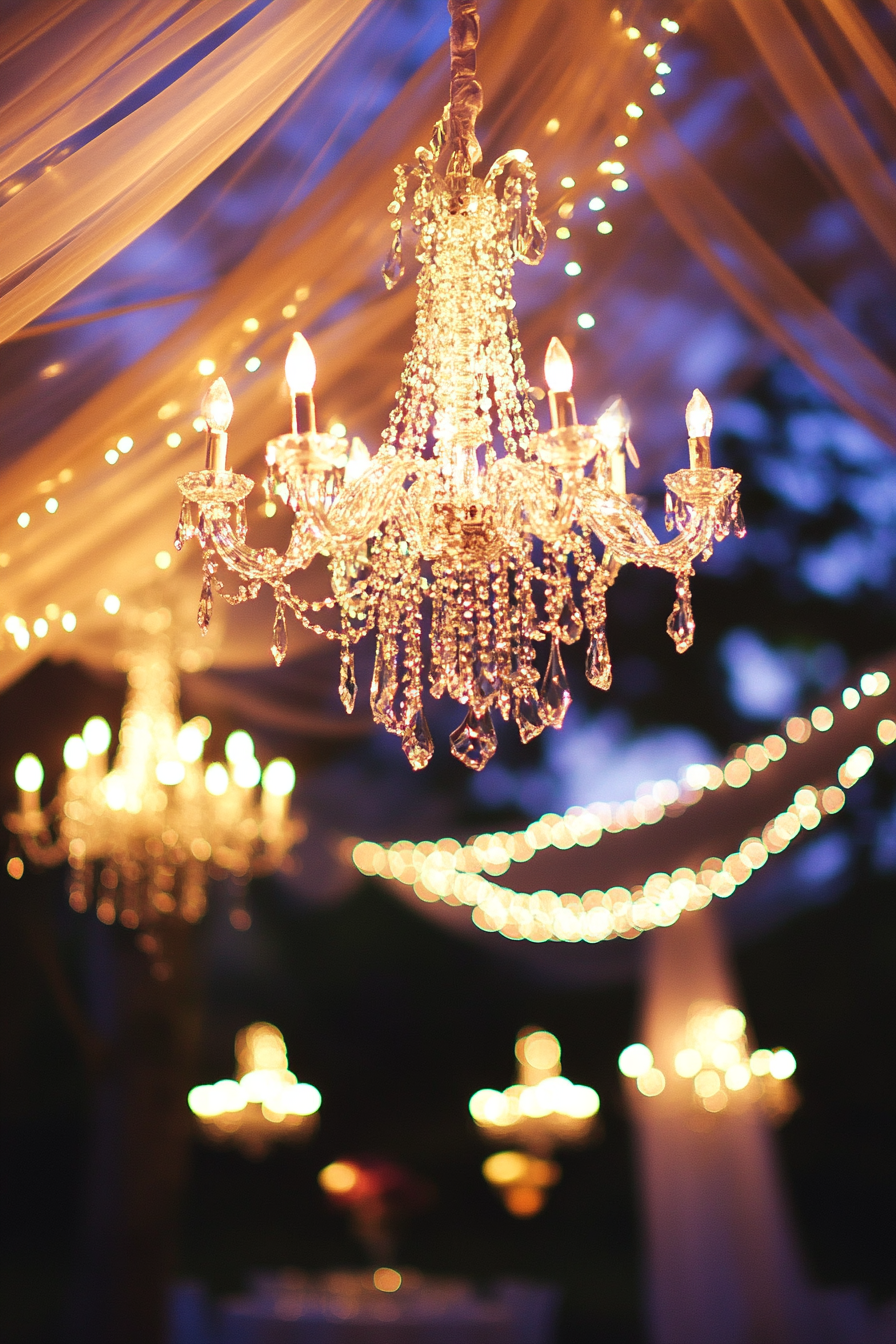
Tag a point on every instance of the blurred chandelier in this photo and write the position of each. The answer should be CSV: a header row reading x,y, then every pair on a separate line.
x,y
542,1109
466,505
145,836
264,1103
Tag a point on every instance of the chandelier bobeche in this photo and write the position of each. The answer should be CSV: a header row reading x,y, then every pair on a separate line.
x,y
467,506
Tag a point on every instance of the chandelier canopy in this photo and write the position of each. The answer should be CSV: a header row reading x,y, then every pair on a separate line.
x,y
509,535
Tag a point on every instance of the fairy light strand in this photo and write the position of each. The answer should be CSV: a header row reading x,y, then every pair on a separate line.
x,y
454,873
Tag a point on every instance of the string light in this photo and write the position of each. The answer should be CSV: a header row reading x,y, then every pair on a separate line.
x,y
446,870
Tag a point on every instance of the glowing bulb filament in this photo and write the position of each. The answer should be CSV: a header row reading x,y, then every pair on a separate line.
x,y
698,418
558,372
301,372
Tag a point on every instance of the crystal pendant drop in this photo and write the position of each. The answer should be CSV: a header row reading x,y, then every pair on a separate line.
x,y
527,715
475,741
417,742
393,268
598,668
670,515
555,692
186,529
740,527
570,623
278,643
681,624
206,598
348,687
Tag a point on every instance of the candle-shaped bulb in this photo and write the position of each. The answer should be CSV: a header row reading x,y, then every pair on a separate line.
x,y
29,774
558,368
301,369
97,735
613,424
279,778
217,406
698,416
75,753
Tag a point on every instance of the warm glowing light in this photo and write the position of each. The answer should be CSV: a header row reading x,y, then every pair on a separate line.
x,y
651,1083
217,780
125,443
16,868
173,440
698,416
604,227
541,1049
301,370
596,203
51,505
558,370
585,321
41,628
69,621
190,743
670,25
552,126
163,560
112,604
170,772
217,406
246,772
75,753
253,364
97,735
23,519
338,1178
206,367
279,778
563,233
572,268
782,1064
29,773
387,1280
730,1024
634,111
251,324
111,456
635,1060
613,424
239,747
688,1063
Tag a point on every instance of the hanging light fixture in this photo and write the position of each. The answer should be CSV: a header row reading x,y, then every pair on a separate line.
x,y
142,838
541,1111
512,536
264,1103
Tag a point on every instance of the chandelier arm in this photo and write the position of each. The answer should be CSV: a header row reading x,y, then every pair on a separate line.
x,y
670,555
265,566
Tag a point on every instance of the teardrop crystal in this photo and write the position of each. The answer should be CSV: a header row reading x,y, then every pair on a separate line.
x,y
348,687
670,516
185,530
279,641
598,668
570,623
555,692
417,742
206,599
393,269
681,624
528,716
475,741
740,527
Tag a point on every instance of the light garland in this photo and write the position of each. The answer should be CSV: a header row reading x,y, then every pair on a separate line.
x,y
448,871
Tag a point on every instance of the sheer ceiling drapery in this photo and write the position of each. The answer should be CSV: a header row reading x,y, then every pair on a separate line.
x,y
111,522
65,223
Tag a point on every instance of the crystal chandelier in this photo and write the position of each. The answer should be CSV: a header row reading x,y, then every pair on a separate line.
x,y
510,535
715,1070
143,838
540,1112
264,1103
542,1109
